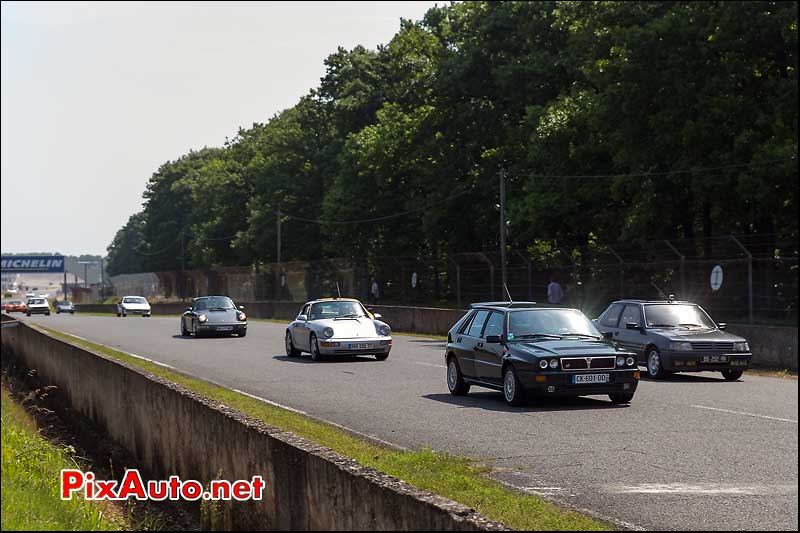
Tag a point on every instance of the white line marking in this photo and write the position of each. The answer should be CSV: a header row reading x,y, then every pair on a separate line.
x,y
746,414
701,489
276,404
429,364
165,365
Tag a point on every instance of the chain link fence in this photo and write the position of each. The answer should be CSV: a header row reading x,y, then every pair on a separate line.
x,y
759,281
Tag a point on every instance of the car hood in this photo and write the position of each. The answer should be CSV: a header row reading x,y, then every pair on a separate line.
x,y
225,316
696,335
565,348
349,328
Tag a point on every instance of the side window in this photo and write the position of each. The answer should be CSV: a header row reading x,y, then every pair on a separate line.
x,y
611,316
477,324
303,310
632,313
465,326
494,326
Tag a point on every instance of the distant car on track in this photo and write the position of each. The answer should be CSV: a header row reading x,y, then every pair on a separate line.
x,y
670,336
213,314
524,349
337,327
133,305
16,306
65,307
37,306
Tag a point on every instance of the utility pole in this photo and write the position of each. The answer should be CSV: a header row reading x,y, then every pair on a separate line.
x,y
102,280
278,246
503,225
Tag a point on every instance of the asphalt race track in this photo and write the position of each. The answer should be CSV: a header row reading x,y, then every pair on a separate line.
x,y
693,452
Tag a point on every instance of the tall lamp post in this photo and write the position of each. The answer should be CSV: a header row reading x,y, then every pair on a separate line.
x,y
85,274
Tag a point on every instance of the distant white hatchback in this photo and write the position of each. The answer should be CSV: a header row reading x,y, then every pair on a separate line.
x,y
38,306
133,305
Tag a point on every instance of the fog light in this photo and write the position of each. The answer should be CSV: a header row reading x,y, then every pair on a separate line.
x,y
691,363
551,389
329,344
677,363
626,386
540,379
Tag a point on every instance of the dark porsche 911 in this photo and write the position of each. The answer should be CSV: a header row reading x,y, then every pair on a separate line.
x,y
527,350
214,315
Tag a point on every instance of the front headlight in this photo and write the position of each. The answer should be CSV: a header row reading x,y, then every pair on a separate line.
x,y
630,361
553,363
327,333
620,361
384,330
741,347
241,317
680,346
202,318
543,364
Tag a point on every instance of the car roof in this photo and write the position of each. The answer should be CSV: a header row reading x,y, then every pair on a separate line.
x,y
504,305
634,301
212,296
333,300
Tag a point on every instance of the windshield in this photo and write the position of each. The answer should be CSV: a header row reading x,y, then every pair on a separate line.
x,y
134,300
677,315
336,309
216,302
36,301
550,322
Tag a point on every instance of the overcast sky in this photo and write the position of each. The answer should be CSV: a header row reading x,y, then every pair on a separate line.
x,y
96,96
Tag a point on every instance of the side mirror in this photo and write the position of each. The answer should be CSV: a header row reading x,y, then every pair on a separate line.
x,y
377,316
302,318
632,325
608,335
722,325
493,339
188,308
241,308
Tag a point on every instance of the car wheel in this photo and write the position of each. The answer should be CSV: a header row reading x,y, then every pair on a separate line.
x,y
28,314
315,353
124,315
381,356
119,314
513,391
194,329
72,312
455,379
732,375
58,312
290,349
47,314
654,368
184,331
242,332
621,398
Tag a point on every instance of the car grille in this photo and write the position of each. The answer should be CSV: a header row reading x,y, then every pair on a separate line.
x,y
712,346
588,363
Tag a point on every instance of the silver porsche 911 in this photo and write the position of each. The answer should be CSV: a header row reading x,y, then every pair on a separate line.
x,y
337,326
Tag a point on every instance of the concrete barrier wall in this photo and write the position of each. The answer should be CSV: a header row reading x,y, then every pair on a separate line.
x,y
173,431
772,346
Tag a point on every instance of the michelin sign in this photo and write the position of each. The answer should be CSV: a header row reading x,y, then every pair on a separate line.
x,y
32,263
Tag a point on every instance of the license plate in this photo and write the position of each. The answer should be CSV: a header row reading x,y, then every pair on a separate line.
x,y
360,346
715,358
224,328
590,378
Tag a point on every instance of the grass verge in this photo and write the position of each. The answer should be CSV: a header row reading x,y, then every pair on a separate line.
x,y
30,478
453,477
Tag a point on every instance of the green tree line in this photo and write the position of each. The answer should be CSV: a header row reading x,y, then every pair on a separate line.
x,y
612,121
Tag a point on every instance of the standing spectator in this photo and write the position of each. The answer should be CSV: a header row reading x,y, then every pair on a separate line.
x,y
554,291
375,291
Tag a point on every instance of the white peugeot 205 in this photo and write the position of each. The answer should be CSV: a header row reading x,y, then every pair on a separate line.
x,y
133,305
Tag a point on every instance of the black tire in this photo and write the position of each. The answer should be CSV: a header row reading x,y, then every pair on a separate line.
x,y
118,314
47,314
58,312
655,369
28,314
242,332
732,375
513,391
314,347
124,315
196,333
381,356
625,397
455,379
184,331
72,312
291,351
